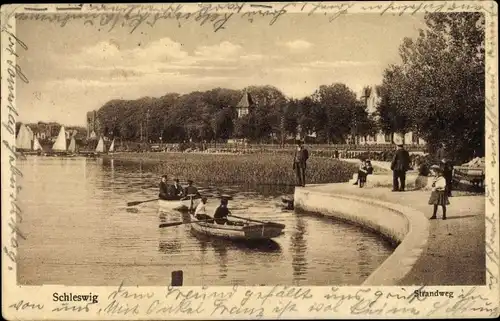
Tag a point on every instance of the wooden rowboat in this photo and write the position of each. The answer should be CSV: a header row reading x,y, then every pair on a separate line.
x,y
178,205
243,229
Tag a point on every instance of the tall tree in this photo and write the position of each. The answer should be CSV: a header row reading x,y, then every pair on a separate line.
x,y
441,83
395,111
336,102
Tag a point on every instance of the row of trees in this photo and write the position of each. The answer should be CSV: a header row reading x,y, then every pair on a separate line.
x,y
332,112
438,89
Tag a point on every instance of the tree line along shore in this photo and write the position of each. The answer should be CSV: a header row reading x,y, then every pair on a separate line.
x,y
437,91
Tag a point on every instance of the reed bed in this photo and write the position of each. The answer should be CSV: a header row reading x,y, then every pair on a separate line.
x,y
273,169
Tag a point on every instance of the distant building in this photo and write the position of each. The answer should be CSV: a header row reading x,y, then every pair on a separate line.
x,y
245,105
371,98
47,130
243,108
93,126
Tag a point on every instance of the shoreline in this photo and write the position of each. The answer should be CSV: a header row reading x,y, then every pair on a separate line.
x,y
424,248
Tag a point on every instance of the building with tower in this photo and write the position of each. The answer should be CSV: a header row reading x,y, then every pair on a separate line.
x,y
93,126
245,105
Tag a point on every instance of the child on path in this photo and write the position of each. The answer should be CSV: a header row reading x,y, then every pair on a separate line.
x,y
439,196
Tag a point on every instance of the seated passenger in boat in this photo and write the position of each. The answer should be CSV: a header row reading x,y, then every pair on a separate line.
x,y
168,192
222,212
201,212
191,190
179,191
163,188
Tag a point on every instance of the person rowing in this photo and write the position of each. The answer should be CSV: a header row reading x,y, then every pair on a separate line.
x,y
191,191
222,212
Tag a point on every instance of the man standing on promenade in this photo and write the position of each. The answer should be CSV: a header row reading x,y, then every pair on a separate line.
x,y
399,165
299,163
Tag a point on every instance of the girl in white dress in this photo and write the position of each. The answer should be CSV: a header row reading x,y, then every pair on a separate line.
x,y
439,196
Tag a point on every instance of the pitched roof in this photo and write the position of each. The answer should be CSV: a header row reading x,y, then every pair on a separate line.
x,y
246,101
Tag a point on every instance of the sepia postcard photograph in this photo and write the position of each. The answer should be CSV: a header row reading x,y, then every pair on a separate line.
x,y
250,160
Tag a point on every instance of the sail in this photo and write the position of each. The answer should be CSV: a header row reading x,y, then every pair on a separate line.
x,y
60,144
100,146
36,144
72,145
30,132
23,140
112,147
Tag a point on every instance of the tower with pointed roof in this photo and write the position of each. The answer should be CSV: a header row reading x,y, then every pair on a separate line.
x,y
245,104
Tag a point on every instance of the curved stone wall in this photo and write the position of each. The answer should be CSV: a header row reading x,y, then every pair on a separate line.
x,y
405,227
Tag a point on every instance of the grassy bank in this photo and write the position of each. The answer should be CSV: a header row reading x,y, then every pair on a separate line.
x,y
249,168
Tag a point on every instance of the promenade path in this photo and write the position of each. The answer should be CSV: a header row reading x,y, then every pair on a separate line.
x,y
455,253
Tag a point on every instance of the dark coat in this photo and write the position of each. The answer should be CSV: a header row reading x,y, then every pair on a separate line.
x,y
178,189
301,157
401,161
441,154
164,190
221,214
189,190
172,191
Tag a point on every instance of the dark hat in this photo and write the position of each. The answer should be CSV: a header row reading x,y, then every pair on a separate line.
x,y
176,180
164,176
224,201
190,181
399,145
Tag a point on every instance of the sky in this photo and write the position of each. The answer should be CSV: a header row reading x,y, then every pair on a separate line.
x,y
78,68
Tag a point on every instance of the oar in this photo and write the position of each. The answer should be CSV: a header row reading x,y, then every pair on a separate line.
x,y
140,202
181,223
257,221
247,219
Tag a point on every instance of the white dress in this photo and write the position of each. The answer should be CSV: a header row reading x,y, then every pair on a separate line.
x,y
200,209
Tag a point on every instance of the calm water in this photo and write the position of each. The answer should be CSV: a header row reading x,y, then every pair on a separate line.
x,y
80,232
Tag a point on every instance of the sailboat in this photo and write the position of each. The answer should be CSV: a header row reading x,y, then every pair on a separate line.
x,y
59,146
100,146
23,139
36,144
72,146
112,147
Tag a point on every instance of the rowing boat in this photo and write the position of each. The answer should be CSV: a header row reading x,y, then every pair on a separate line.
x,y
243,229
178,205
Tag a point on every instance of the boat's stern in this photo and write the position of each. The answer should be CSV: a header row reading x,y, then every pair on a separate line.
x,y
263,231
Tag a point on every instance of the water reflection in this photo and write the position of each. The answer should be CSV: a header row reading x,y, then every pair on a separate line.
x,y
170,246
298,248
221,251
229,251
